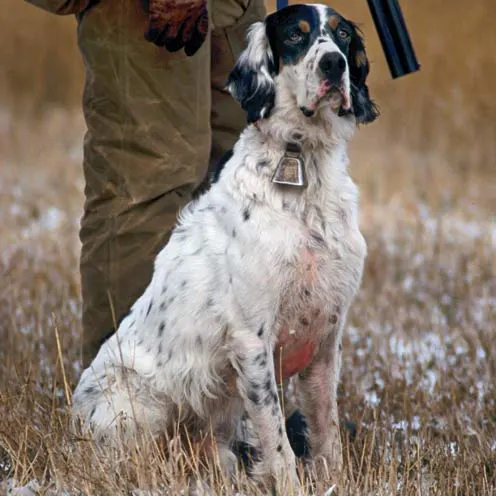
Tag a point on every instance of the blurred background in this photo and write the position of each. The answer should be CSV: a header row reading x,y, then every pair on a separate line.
x,y
437,129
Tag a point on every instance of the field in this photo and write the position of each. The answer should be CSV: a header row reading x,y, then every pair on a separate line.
x,y
419,367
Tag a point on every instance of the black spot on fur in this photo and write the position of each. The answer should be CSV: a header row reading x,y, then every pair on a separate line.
x,y
279,448
140,342
333,319
160,349
209,303
279,430
171,299
340,347
163,306
219,167
304,321
89,390
160,364
260,331
260,357
183,284
93,410
161,328
169,355
234,233
296,428
317,238
149,308
198,342
246,214
164,289
262,164
274,397
254,385
254,397
306,292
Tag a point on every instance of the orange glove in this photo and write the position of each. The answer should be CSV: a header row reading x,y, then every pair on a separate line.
x,y
175,24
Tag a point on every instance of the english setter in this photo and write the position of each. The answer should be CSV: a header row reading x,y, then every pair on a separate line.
x,y
256,280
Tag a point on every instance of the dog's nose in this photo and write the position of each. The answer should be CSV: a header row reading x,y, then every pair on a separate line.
x,y
332,65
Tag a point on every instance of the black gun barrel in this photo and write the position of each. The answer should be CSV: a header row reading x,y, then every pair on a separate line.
x,y
390,25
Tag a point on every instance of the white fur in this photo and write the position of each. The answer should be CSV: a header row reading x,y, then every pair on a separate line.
x,y
223,286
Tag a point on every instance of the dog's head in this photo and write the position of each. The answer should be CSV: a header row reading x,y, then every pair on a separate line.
x,y
320,55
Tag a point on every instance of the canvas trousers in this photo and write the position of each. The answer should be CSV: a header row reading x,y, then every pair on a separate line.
x,y
155,121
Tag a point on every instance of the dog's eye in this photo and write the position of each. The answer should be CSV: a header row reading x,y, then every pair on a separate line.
x,y
295,37
344,35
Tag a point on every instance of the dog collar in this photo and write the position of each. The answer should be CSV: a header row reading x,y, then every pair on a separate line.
x,y
290,170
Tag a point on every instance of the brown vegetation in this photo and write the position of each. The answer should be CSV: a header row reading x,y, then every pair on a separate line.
x,y
419,363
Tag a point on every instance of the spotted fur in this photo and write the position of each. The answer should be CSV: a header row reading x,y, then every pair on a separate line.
x,y
253,275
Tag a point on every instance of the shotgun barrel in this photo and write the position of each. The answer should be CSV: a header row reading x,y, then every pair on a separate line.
x,y
395,40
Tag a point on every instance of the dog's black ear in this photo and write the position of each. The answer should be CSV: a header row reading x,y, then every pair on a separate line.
x,y
251,81
364,108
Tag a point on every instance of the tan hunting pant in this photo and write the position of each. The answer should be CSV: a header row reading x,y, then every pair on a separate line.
x,y
156,120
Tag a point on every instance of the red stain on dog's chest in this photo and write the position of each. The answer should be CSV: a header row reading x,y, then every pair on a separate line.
x,y
290,360
303,322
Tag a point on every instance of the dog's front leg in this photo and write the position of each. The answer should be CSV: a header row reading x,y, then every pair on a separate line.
x,y
317,386
253,361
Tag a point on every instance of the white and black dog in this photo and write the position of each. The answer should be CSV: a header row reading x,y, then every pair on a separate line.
x,y
256,280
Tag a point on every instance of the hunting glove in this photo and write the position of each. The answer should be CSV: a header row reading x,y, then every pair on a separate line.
x,y
175,24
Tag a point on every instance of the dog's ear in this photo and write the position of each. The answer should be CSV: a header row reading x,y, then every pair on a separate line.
x,y
364,108
251,82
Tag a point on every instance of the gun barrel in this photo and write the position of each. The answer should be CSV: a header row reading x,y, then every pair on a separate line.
x,y
395,40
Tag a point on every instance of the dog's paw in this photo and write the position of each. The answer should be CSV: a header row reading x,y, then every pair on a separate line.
x,y
279,473
325,469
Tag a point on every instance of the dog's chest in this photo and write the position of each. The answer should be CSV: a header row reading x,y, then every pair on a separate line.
x,y
301,317
323,281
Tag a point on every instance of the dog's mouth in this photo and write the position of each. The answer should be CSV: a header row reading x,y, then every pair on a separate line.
x,y
331,93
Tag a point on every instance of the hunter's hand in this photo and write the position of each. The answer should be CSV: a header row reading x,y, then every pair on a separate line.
x,y
175,24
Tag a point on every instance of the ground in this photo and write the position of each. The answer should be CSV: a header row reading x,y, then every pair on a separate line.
x,y
419,357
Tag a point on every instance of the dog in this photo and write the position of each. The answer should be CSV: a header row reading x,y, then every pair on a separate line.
x,y
256,280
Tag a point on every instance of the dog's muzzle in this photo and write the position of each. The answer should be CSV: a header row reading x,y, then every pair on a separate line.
x,y
331,69
332,65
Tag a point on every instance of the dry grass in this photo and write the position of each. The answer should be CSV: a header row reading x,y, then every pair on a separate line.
x,y
419,364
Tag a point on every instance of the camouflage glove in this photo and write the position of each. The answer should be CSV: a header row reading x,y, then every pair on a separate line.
x,y
175,24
